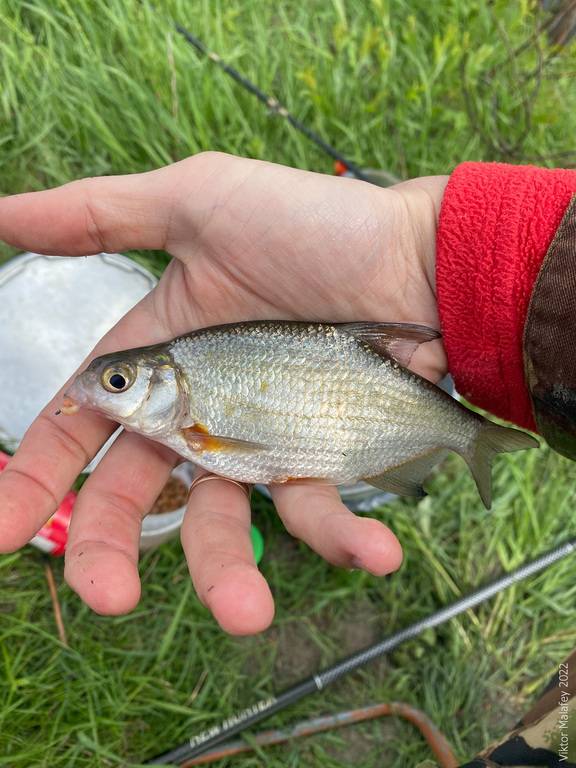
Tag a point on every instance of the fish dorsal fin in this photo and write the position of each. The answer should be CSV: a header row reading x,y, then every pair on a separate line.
x,y
406,479
397,340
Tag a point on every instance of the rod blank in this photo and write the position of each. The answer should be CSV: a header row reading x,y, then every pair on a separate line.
x,y
270,102
218,734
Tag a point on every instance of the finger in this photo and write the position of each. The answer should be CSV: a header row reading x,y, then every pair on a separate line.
x,y
55,449
109,213
165,208
102,549
216,541
50,457
315,514
429,360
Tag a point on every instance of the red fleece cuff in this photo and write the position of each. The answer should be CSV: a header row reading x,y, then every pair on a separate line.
x,y
496,224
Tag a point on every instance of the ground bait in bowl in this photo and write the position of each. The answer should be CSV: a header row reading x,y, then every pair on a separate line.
x,y
173,497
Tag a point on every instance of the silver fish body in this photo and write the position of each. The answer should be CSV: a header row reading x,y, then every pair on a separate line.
x,y
271,402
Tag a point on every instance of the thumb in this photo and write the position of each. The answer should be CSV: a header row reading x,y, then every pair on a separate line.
x,y
110,213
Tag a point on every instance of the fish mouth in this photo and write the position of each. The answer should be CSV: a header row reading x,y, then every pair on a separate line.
x,y
69,406
74,397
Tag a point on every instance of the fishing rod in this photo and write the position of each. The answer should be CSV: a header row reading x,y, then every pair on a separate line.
x,y
261,710
273,104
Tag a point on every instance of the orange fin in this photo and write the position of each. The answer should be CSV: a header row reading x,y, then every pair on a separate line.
x,y
199,439
397,340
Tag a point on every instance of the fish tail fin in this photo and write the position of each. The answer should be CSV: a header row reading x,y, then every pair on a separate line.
x,y
490,440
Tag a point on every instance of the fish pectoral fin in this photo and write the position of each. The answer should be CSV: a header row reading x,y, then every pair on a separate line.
x,y
406,479
397,340
199,441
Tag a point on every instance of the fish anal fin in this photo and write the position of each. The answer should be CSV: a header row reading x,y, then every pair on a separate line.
x,y
406,479
397,340
199,439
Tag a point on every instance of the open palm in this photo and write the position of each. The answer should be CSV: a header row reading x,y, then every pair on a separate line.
x,y
251,240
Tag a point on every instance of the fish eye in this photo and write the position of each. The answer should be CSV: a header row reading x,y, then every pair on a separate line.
x,y
117,378
117,381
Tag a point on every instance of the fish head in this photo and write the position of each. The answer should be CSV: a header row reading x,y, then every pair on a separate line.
x,y
142,389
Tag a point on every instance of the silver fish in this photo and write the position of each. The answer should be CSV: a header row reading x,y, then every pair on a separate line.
x,y
274,402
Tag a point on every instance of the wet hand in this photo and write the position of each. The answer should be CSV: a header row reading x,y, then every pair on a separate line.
x,y
250,240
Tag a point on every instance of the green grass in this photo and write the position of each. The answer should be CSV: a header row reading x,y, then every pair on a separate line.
x,y
415,87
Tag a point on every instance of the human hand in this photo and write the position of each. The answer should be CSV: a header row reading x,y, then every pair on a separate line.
x,y
250,240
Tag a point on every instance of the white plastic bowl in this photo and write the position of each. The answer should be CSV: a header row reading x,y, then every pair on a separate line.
x,y
53,310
